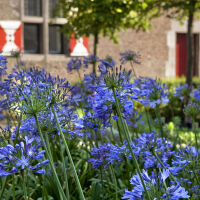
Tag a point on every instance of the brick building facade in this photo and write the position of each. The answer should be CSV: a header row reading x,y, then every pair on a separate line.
x,y
159,49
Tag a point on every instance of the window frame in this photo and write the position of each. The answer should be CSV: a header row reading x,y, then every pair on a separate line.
x,y
34,15
44,20
61,40
38,37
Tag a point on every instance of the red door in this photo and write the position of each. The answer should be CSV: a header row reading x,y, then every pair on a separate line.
x,y
181,54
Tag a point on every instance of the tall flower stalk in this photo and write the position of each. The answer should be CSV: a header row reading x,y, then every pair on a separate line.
x,y
50,159
157,111
24,184
69,155
13,185
128,139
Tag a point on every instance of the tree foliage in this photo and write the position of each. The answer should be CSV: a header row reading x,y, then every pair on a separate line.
x,y
105,17
182,10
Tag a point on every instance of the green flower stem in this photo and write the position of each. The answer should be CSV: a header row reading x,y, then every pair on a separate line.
x,y
18,127
102,182
4,179
196,177
24,184
65,175
195,133
113,136
133,69
48,145
148,120
49,149
13,186
79,75
99,136
160,161
115,181
128,138
197,146
119,130
157,111
50,160
95,139
69,156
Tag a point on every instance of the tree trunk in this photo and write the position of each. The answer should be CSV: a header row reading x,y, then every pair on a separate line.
x,y
95,51
190,49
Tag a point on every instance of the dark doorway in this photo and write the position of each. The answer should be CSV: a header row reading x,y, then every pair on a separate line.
x,y
181,54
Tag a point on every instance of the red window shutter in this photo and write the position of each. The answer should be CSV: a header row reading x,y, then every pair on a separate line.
x,y
10,37
18,38
2,38
72,44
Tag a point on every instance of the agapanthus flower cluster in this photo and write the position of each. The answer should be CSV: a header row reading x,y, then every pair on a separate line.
x,y
3,65
112,76
182,91
143,148
3,68
74,64
106,154
192,110
147,144
187,159
47,123
151,92
24,155
102,102
88,125
111,79
156,187
90,60
32,91
79,96
196,94
129,56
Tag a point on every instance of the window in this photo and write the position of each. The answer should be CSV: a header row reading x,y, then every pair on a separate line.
x,y
42,33
52,4
55,40
33,7
52,7
32,38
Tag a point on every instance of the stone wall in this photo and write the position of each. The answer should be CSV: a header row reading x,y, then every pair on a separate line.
x,y
10,9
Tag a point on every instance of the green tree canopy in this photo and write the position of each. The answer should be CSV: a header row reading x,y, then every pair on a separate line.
x,y
181,10
105,17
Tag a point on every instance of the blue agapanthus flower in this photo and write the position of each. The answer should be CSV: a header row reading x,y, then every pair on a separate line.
x,y
129,56
106,154
147,143
176,192
150,92
74,64
3,65
90,60
196,94
25,155
192,109
32,91
143,148
182,91
155,187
